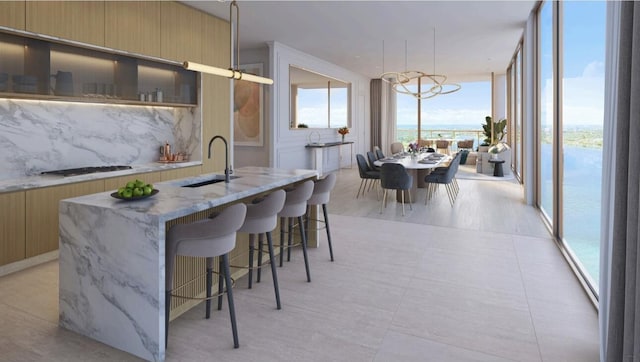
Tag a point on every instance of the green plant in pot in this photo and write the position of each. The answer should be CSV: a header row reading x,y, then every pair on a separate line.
x,y
498,131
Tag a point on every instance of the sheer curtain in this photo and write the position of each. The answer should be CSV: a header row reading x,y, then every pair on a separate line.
x,y
620,292
383,115
389,120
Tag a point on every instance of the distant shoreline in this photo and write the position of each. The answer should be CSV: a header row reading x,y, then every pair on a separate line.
x,y
584,136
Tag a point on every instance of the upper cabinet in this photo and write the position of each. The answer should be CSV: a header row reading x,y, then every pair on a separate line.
x,y
12,14
181,32
133,26
75,20
39,67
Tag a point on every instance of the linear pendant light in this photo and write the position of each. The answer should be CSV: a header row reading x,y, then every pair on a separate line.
x,y
234,71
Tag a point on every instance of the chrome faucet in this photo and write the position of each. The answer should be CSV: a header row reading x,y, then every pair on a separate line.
x,y
226,156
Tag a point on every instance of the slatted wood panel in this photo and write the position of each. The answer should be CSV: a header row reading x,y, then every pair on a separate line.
x,y
180,32
216,95
75,20
12,227
181,173
133,26
42,213
12,14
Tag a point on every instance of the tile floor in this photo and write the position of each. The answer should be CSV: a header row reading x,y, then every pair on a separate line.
x,y
480,281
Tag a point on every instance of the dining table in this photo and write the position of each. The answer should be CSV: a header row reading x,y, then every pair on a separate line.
x,y
418,165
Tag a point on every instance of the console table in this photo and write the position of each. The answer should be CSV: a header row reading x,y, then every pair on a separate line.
x,y
318,154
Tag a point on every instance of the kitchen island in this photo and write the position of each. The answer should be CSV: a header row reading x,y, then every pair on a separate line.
x,y
112,254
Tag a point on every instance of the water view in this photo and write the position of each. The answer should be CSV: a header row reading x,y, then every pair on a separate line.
x,y
581,186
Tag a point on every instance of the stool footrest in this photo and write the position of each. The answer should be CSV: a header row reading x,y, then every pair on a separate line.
x,y
233,283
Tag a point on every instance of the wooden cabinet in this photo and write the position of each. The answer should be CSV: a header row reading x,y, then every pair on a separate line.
x,y
75,20
216,113
181,32
12,14
181,173
133,26
12,227
112,184
42,213
45,69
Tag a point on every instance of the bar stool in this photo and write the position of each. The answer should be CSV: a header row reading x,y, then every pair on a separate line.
x,y
295,205
207,238
262,218
320,196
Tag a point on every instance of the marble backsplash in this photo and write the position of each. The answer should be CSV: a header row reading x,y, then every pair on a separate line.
x,y
37,136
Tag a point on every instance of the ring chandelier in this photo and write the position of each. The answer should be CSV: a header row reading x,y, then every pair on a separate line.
x,y
400,80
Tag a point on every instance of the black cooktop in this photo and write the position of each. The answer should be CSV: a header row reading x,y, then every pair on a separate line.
x,y
85,170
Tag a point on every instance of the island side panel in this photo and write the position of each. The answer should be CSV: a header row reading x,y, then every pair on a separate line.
x,y
112,267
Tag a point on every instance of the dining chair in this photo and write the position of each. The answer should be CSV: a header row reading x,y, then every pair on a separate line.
x,y
446,177
372,159
393,176
378,151
442,145
367,176
397,147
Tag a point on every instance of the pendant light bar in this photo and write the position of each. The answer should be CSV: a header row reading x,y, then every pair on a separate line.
x,y
229,73
234,71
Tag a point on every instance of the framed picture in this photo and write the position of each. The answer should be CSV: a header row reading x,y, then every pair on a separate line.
x,y
248,109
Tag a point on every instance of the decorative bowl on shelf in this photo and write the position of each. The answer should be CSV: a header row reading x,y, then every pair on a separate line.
x,y
134,198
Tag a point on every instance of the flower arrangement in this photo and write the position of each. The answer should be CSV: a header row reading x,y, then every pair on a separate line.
x,y
413,148
343,130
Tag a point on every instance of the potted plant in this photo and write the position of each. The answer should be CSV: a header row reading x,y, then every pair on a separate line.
x,y
496,136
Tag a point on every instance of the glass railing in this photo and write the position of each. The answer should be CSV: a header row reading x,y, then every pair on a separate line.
x,y
407,136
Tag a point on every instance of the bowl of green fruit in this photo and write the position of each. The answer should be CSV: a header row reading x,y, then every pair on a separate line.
x,y
135,190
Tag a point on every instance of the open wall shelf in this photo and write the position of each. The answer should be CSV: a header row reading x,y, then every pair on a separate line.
x,y
45,68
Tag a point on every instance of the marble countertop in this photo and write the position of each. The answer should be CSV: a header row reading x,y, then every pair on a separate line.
x,y
174,201
38,181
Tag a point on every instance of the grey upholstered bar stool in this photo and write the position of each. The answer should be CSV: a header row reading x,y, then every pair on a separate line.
x,y
295,206
207,238
262,218
320,196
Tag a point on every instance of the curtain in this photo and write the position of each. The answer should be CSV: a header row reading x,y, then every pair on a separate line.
x,y
623,325
376,112
389,120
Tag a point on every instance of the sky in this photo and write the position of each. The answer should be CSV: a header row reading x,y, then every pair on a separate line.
x,y
583,83
583,78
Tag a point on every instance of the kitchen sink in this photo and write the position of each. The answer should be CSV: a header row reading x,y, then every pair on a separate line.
x,y
215,179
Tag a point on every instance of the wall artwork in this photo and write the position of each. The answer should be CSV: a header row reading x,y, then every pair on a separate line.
x,y
248,109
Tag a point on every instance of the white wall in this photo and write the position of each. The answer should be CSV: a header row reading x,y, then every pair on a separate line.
x,y
287,147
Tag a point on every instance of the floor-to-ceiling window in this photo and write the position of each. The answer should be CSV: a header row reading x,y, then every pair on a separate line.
x,y
571,45
546,104
583,53
448,115
514,115
517,143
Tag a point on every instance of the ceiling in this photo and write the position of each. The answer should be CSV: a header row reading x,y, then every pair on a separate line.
x,y
472,38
